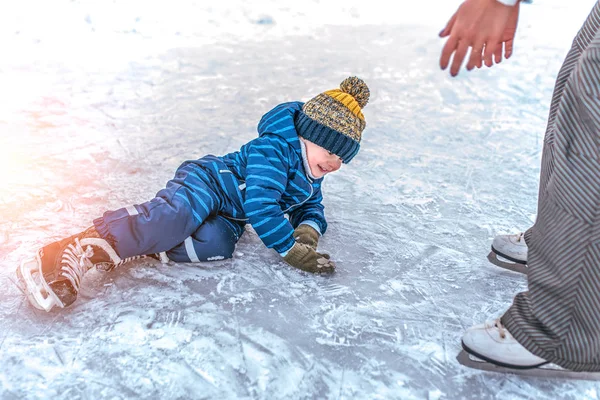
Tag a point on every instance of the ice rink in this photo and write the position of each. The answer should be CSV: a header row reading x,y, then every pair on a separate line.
x,y
101,102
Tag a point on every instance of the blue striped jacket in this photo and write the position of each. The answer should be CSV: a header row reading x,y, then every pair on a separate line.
x,y
272,169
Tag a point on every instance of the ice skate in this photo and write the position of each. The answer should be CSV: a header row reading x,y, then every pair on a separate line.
x,y
490,347
509,252
53,277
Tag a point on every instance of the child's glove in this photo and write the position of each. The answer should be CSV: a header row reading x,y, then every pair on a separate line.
x,y
307,259
306,234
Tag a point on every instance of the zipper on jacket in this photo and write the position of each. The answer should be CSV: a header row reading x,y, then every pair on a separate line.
x,y
312,190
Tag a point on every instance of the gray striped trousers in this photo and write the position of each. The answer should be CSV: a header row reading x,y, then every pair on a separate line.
x,y
558,318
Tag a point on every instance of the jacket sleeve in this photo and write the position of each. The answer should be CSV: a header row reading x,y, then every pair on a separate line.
x,y
310,213
266,180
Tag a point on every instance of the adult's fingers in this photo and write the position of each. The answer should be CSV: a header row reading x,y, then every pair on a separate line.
x,y
459,56
480,59
490,49
446,31
447,51
498,53
475,57
508,48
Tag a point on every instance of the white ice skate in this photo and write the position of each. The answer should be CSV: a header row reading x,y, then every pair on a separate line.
x,y
490,347
510,252
53,277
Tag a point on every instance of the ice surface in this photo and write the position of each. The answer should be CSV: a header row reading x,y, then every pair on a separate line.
x,y
100,102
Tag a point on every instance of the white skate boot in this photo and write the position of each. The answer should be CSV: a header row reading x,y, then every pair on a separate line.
x,y
493,343
54,276
510,252
490,347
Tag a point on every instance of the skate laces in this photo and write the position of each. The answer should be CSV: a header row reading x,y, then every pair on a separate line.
x,y
501,328
76,262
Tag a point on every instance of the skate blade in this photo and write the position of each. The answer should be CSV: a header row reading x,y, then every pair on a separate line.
x,y
499,261
34,286
548,371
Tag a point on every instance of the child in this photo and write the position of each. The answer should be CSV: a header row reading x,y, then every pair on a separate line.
x,y
201,213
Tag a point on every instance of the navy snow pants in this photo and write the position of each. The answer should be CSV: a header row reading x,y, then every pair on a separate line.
x,y
190,219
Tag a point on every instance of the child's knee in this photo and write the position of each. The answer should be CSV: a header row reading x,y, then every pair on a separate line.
x,y
213,240
217,244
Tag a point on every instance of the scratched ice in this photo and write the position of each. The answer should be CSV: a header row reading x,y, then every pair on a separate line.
x,y
100,102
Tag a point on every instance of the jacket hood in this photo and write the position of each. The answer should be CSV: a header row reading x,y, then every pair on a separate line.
x,y
280,121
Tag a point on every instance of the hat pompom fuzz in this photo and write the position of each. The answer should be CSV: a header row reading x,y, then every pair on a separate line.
x,y
356,88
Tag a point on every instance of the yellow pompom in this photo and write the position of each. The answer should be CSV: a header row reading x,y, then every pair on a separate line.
x,y
356,88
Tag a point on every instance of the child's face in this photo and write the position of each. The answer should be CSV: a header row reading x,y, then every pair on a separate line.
x,y
320,161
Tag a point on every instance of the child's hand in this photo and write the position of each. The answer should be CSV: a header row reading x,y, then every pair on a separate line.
x,y
307,259
307,235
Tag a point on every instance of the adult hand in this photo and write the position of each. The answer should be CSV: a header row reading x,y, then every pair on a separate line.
x,y
483,25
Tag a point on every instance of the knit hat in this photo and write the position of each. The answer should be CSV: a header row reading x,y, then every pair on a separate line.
x,y
334,119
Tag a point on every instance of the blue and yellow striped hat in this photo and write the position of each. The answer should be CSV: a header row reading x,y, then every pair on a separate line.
x,y
334,119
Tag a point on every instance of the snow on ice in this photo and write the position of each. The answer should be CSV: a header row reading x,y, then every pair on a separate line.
x,y
101,101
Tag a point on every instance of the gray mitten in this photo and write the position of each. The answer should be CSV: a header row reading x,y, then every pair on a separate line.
x,y
306,234
307,259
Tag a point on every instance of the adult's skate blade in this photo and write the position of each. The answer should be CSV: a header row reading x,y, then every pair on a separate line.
x,y
515,267
548,371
